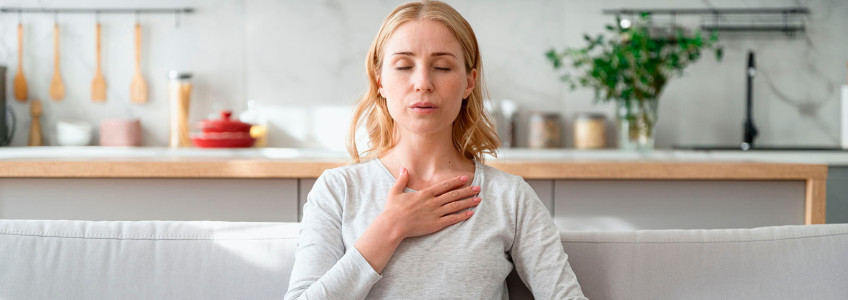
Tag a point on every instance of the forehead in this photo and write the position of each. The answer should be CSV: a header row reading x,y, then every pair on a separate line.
x,y
422,36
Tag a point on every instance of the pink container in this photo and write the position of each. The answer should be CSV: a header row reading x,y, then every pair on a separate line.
x,y
120,132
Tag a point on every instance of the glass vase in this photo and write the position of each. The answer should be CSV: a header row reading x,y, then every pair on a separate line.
x,y
636,124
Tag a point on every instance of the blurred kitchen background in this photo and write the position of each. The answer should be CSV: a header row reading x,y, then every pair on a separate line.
x,y
301,63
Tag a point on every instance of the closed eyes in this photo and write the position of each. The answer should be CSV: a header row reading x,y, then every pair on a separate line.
x,y
406,68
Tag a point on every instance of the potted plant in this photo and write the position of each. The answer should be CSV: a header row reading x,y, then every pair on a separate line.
x,y
631,67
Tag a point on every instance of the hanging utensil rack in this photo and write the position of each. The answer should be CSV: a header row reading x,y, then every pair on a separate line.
x,y
787,20
97,11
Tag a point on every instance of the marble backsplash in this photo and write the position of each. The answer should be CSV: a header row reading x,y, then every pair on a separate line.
x,y
302,63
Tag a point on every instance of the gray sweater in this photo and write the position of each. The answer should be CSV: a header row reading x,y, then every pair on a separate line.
x,y
468,260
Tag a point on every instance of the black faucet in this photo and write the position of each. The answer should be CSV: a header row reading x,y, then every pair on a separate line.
x,y
750,129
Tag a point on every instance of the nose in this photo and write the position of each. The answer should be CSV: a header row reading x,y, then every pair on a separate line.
x,y
422,81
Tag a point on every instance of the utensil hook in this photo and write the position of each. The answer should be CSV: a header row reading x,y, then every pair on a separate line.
x,y
177,18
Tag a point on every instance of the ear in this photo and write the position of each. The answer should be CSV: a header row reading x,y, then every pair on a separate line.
x,y
471,78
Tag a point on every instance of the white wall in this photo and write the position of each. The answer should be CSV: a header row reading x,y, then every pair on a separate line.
x,y
303,62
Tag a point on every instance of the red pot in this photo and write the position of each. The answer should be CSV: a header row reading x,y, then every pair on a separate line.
x,y
223,133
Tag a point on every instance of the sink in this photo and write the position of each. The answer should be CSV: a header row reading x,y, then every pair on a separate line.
x,y
757,148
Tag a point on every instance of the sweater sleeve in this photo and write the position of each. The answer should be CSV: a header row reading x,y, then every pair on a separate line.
x,y
323,268
537,250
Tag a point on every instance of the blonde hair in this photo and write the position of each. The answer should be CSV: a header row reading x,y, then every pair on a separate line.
x,y
474,132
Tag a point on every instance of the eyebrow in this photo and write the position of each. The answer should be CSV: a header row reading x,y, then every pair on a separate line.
x,y
407,53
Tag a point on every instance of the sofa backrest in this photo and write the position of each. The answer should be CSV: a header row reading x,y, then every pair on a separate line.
x,y
145,260
779,262
234,260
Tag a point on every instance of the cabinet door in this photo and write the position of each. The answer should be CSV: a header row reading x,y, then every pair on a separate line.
x,y
837,195
676,204
112,199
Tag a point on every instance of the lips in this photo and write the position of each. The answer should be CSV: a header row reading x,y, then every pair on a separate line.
x,y
423,107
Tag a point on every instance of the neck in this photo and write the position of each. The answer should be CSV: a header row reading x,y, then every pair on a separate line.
x,y
426,157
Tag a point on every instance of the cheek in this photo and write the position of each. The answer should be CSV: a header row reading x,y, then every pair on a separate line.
x,y
390,84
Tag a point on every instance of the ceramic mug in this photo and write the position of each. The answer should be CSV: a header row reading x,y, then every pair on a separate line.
x,y
119,132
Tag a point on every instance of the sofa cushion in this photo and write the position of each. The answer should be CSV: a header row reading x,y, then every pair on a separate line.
x,y
145,260
780,262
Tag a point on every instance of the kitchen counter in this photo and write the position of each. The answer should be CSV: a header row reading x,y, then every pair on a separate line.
x,y
160,153
147,162
545,167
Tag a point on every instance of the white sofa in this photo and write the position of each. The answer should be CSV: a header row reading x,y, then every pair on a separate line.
x,y
231,260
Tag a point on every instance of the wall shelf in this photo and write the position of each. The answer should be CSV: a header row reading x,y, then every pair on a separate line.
x,y
788,20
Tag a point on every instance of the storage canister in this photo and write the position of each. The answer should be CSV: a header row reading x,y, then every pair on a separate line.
x,y
544,130
180,94
589,131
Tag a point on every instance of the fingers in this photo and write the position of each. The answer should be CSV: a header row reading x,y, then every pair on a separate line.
x,y
400,183
457,194
458,205
455,218
446,185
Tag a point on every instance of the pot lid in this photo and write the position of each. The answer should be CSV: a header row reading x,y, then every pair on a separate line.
x,y
224,124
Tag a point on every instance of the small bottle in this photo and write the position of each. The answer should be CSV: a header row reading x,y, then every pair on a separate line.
x,y
509,112
180,94
845,115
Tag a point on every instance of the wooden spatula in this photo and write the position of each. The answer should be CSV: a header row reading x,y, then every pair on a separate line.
x,y
35,124
20,81
138,87
57,87
98,85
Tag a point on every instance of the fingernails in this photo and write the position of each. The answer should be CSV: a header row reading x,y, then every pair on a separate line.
x,y
469,213
475,188
463,178
476,200
402,171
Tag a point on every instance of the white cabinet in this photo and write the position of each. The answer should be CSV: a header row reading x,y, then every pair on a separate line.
x,y
129,199
676,204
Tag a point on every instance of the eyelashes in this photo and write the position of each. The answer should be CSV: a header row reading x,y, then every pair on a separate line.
x,y
407,68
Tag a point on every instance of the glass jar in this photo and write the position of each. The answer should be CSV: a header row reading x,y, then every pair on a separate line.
x,y
544,130
636,124
180,99
590,131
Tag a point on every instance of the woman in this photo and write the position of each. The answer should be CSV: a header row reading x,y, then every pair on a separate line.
x,y
418,215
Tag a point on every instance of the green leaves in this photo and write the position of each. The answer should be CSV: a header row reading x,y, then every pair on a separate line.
x,y
554,58
631,63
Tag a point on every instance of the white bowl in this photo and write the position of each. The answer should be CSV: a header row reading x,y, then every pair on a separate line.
x,y
73,133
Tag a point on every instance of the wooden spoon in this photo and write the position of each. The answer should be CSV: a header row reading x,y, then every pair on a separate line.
x,y
20,81
98,85
138,87
57,87
35,124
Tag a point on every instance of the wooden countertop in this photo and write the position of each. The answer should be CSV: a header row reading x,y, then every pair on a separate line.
x,y
814,175
312,168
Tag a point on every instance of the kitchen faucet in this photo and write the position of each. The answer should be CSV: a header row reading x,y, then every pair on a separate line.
x,y
750,129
